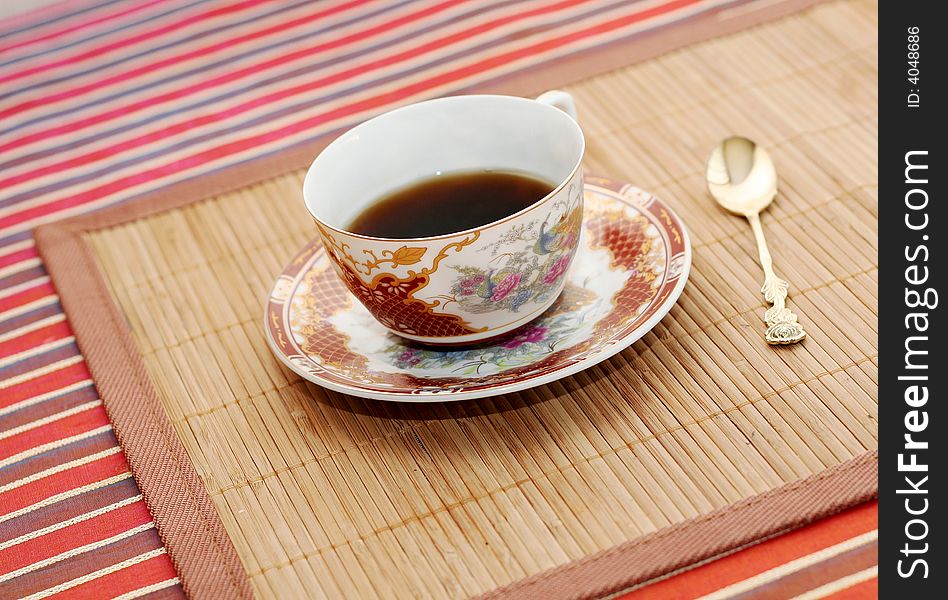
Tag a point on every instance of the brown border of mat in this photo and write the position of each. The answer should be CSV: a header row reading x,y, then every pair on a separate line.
x,y
207,564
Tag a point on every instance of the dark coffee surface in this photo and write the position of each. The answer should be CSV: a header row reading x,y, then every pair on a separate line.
x,y
449,203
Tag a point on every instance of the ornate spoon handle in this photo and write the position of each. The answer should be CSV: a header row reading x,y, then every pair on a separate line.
x,y
782,325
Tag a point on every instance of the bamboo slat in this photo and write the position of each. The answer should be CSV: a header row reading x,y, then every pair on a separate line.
x,y
333,496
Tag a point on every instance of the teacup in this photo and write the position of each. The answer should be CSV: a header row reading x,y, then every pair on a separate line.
x,y
472,285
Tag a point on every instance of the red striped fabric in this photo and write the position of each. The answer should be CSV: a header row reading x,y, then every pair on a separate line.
x,y
827,560
103,101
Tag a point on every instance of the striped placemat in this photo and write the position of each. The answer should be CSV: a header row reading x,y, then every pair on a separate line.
x,y
104,102
836,557
798,411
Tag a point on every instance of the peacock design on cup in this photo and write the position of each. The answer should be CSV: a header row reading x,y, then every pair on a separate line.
x,y
522,274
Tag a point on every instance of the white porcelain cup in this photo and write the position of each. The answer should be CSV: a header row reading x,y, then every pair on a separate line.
x,y
471,285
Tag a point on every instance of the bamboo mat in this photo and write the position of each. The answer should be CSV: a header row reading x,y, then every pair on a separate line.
x,y
328,495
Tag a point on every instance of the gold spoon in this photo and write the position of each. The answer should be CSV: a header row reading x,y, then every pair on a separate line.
x,y
742,178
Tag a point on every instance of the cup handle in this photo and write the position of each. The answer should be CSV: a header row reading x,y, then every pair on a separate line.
x,y
561,100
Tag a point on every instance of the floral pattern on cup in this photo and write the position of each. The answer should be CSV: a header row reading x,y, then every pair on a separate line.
x,y
454,289
521,274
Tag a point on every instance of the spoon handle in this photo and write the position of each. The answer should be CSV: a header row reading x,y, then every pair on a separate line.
x,y
782,325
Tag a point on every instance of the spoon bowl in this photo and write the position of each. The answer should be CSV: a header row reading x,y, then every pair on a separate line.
x,y
741,176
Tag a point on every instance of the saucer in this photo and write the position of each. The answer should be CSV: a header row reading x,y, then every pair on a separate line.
x,y
631,266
